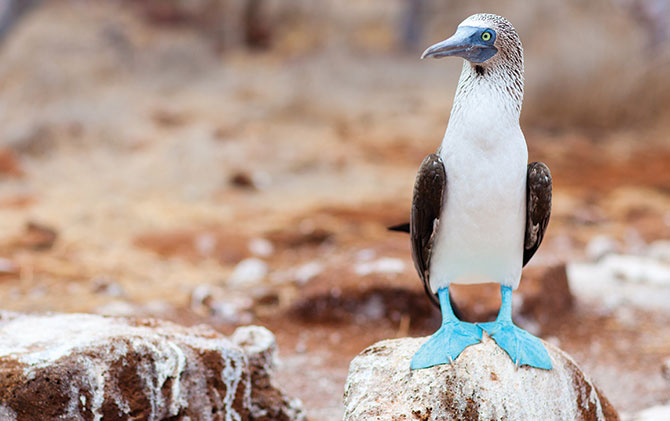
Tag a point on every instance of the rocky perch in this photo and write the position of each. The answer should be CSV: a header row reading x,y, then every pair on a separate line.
x,y
483,383
87,367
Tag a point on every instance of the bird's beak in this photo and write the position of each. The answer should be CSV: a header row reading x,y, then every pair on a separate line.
x,y
464,43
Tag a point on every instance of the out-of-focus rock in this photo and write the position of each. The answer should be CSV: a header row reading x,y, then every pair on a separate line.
x,y
221,304
659,250
483,383
107,286
8,267
304,273
242,180
600,246
383,265
261,247
248,272
640,279
543,295
78,366
635,269
38,236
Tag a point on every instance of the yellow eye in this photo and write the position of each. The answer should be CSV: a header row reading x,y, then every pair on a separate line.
x,y
486,36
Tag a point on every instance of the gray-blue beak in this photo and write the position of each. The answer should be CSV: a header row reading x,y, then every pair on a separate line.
x,y
467,42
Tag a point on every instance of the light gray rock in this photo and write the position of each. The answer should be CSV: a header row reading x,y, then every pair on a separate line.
x,y
88,367
483,383
655,413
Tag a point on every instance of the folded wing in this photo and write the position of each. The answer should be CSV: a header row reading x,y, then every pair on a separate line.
x,y
538,207
429,192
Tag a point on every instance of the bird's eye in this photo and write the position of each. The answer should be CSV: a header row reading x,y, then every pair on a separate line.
x,y
486,36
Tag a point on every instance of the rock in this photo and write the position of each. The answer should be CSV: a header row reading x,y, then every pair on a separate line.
x,y
261,247
248,272
38,237
483,383
600,246
221,304
267,402
8,267
655,413
242,180
306,272
87,367
383,265
660,250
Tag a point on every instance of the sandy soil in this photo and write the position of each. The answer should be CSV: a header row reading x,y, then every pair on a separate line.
x,y
139,167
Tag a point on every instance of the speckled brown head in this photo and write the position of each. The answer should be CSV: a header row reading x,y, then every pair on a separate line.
x,y
493,51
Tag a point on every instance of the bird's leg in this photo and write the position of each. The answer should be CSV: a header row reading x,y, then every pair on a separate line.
x,y
505,313
445,345
522,347
448,315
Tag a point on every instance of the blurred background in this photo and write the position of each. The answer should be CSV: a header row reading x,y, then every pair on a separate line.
x,y
238,161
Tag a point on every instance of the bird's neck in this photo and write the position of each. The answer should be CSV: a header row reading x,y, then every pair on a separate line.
x,y
487,104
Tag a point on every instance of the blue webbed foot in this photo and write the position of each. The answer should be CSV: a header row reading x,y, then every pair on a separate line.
x,y
450,339
446,344
522,347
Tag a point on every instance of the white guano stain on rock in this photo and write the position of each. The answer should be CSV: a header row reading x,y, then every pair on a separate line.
x,y
7,414
79,366
483,383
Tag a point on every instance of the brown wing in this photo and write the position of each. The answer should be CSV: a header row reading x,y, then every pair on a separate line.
x,y
429,190
538,207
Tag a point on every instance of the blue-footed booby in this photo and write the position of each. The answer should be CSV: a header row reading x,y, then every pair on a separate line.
x,y
479,211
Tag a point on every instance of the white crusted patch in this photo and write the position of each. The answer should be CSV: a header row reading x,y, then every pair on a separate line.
x,y
483,383
7,414
165,360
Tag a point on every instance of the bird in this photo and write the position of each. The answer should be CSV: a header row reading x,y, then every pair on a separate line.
x,y
479,210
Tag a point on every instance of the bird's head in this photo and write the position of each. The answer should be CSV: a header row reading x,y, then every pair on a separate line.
x,y
482,39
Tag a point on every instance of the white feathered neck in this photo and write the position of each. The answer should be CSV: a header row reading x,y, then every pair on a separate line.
x,y
489,95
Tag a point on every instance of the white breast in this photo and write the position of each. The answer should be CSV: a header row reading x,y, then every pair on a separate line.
x,y
481,230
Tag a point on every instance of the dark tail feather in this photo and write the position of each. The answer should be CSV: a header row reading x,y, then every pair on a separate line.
x,y
400,228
